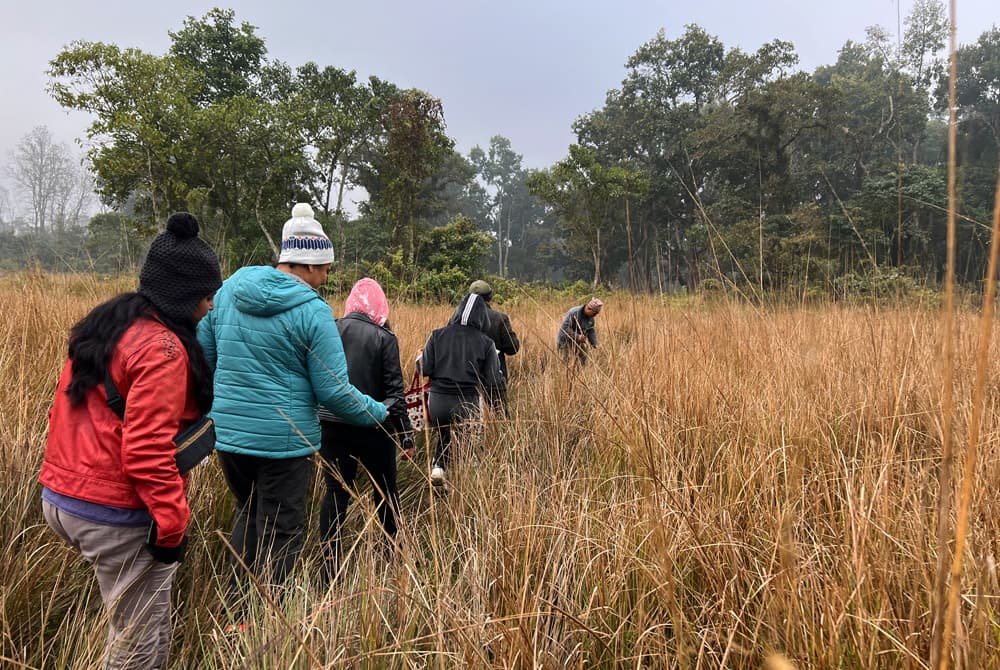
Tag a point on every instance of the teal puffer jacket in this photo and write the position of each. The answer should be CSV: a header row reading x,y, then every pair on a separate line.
x,y
276,352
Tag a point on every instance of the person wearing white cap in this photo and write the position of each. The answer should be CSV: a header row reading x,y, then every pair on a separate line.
x,y
276,352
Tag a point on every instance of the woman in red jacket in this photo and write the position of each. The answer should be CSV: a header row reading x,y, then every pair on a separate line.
x,y
111,487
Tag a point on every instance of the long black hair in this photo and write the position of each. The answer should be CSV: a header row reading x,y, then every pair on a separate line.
x,y
93,339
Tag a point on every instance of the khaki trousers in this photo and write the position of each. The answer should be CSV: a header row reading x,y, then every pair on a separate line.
x,y
135,588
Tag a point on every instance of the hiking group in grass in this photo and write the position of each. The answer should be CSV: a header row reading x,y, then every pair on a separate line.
x,y
287,387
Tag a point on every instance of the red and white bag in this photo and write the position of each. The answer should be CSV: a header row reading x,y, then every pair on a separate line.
x,y
416,400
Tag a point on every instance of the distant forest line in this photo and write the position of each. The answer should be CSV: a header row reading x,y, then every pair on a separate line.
x,y
708,166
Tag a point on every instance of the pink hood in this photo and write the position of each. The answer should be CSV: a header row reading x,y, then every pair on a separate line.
x,y
368,298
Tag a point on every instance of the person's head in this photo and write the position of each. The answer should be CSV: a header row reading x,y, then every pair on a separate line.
x,y
314,275
593,307
471,311
180,273
368,298
177,284
481,288
306,251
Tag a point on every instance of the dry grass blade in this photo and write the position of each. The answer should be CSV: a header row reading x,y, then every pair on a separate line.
x,y
767,486
975,428
941,626
940,647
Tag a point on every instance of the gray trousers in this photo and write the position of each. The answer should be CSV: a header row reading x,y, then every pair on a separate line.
x,y
135,588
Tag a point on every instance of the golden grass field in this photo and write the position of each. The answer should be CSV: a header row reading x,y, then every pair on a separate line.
x,y
725,487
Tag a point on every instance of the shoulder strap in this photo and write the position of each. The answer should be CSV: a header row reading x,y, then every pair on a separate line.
x,y
115,400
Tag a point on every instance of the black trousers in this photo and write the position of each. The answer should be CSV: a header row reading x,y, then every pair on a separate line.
x,y
447,413
271,496
344,448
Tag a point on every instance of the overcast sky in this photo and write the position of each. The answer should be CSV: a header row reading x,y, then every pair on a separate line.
x,y
521,68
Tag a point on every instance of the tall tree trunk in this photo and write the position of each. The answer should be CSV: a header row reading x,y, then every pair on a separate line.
x,y
263,228
595,251
341,219
631,258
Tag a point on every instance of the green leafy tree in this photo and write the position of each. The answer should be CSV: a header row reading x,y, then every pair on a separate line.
x,y
978,96
194,129
923,42
586,195
141,108
499,166
333,111
401,160
116,243
228,56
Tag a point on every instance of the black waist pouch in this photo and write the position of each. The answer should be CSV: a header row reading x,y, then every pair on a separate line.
x,y
194,444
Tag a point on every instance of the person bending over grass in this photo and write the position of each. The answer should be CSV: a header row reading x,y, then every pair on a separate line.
x,y
578,330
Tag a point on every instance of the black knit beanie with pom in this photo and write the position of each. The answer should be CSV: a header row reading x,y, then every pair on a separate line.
x,y
180,269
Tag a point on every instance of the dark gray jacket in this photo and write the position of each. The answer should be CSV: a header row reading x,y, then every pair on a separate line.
x,y
576,322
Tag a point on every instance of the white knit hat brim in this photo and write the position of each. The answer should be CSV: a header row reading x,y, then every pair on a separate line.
x,y
306,257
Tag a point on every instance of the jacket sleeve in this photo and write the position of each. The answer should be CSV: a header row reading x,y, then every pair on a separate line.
x,y
565,335
327,369
154,403
427,358
509,343
392,383
206,337
492,376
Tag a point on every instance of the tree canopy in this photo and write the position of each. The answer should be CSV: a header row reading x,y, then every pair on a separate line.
x,y
707,161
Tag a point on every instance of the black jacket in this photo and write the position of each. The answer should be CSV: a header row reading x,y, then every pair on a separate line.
x,y
461,358
503,336
372,353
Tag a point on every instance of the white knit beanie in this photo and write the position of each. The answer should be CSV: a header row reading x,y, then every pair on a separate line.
x,y
303,240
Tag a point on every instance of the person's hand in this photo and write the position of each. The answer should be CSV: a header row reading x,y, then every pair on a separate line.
x,y
164,554
581,337
388,403
409,450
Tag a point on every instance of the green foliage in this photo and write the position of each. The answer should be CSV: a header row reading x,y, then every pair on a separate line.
x,y
888,285
711,287
215,127
587,195
413,146
116,243
579,291
459,245
978,67
453,255
229,57
142,105
706,162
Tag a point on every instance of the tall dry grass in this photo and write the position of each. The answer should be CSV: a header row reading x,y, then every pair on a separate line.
x,y
722,486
